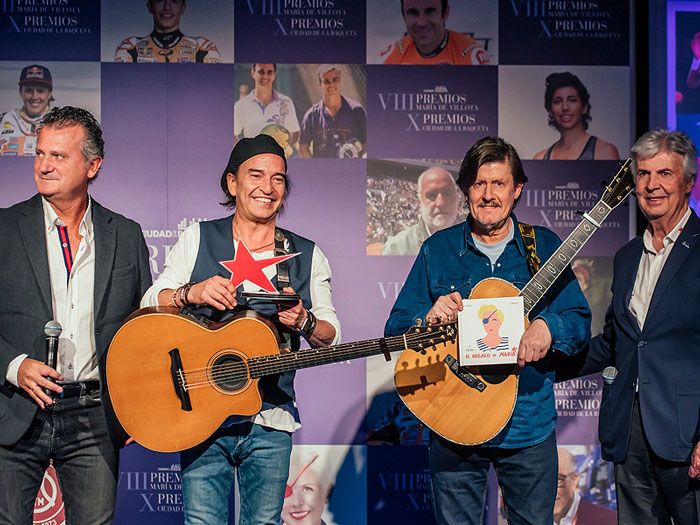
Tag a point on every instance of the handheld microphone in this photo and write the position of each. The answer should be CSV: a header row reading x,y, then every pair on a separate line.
x,y
52,330
609,374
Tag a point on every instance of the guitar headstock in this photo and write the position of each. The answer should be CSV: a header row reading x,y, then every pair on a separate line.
x,y
620,186
420,338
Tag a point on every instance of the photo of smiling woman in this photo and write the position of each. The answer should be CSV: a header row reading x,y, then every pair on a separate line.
x,y
568,105
308,488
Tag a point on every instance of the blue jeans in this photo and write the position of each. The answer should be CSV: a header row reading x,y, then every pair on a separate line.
x,y
73,433
527,477
258,456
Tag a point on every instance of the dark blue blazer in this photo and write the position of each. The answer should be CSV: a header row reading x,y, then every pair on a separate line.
x,y
122,276
664,356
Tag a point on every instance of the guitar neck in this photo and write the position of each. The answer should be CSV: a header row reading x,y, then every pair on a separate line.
x,y
278,363
562,257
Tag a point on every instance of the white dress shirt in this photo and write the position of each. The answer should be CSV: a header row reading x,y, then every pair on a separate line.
x,y
72,300
650,266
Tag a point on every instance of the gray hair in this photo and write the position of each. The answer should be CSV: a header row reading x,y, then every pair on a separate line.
x,y
659,140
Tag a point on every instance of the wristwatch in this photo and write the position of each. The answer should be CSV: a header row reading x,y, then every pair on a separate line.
x,y
307,329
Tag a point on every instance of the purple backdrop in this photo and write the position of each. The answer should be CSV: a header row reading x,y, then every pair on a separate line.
x,y
169,131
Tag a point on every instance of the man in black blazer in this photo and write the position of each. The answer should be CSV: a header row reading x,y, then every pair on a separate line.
x,y
650,412
63,257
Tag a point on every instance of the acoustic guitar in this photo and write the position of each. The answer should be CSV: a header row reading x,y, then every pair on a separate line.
x,y
174,378
470,406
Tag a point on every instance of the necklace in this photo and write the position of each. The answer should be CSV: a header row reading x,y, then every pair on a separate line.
x,y
237,236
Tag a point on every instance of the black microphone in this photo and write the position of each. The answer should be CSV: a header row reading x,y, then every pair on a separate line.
x,y
52,330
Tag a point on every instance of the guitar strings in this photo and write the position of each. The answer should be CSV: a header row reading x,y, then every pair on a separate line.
x,y
239,370
294,356
197,378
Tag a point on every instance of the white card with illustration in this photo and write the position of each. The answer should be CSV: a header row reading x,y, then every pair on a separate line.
x,y
490,331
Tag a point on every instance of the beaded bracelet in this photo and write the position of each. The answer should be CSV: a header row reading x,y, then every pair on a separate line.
x,y
180,297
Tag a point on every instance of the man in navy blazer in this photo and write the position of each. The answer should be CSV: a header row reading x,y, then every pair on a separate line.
x,y
66,258
650,413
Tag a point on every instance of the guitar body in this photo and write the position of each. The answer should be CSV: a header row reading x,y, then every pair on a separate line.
x,y
141,384
443,401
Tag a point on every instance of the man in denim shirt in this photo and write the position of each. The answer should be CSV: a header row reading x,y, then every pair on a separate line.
x,y
450,263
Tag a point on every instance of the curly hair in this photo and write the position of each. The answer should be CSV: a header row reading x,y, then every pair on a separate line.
x,y
565,79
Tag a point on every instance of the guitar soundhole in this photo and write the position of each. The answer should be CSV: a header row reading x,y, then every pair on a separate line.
x,y
229,372
495,374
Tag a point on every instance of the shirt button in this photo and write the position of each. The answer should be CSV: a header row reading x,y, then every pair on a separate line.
x,y
71,336
72,306
65,245
498,265
452,287
70,367
640,344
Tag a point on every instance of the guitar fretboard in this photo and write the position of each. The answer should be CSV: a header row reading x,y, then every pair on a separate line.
x,y
562,257
278,363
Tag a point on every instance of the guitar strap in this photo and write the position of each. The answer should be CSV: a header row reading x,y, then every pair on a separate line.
x,y
282,267
527,232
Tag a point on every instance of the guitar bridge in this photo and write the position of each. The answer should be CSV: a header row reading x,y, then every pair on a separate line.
x,y
468,379
178,378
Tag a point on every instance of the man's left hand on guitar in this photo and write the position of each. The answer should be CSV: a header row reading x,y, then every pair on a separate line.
x,y
534,343
445,309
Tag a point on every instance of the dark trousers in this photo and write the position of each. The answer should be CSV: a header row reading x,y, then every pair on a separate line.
x,y
73,433
652,490
527,477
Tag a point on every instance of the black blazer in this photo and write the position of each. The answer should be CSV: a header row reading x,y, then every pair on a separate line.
x,y
664,356
121,277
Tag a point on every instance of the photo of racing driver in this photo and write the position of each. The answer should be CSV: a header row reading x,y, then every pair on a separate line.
x,y
18,126
166,43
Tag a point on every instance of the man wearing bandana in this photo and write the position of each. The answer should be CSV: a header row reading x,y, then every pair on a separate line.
x,y
203,271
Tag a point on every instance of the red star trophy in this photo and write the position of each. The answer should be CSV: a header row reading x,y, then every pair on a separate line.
x,y
244,267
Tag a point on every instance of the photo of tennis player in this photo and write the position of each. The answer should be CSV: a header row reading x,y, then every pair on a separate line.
x,y
568,106
336,126
407,202
572,113
312,110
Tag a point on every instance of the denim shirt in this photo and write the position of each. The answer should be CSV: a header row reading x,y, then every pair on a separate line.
x,y
449,261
